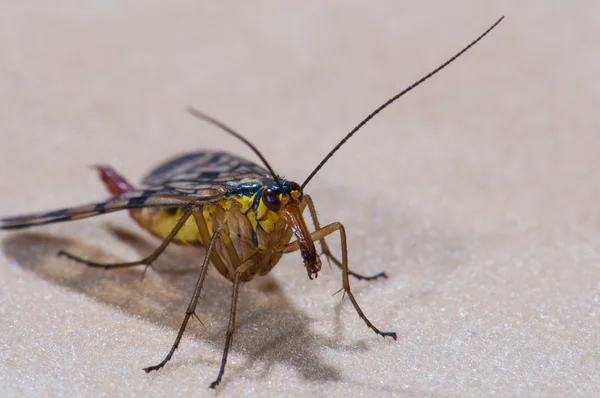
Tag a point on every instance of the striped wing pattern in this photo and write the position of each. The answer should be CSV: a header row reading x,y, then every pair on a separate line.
x,y
188,172
93,209
195,178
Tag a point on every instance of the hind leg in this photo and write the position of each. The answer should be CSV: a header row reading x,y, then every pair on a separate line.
x,y
146,260
118,185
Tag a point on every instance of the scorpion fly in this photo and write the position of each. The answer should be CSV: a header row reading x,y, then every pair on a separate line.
x,y
245,215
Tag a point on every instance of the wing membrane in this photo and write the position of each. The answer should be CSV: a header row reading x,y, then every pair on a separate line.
x,y
94,209
200,177
196,170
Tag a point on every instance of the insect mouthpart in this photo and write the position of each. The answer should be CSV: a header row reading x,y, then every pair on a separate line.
x,y
312,262
284,199
293,195
292,215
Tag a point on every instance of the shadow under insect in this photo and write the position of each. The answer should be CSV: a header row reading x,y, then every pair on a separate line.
x,y
272,332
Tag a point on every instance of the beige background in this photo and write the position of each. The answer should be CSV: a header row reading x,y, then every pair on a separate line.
x,y
479,194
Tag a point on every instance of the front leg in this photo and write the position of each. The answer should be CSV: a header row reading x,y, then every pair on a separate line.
x,y
325,248
319,235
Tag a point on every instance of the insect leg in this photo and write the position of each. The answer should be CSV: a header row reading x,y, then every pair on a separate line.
x,y
325,247
232,316
193,302
234,268
320,234
230,328
145,261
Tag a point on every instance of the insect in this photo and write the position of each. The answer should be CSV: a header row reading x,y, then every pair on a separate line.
x,y
245,215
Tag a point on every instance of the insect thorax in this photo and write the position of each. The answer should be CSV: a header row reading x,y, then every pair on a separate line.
x,y
252,228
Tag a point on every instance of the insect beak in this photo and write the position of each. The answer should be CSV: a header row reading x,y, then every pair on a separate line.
x,y
292,216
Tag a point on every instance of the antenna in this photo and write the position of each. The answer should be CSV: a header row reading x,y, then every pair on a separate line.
x,y
224,127
394,98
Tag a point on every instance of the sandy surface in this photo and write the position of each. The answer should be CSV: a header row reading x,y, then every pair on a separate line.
x,y
479,194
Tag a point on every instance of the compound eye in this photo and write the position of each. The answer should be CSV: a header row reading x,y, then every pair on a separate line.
x,y
271,200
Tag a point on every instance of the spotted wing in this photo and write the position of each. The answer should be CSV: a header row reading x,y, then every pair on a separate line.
x,y
201,177
192,173
130,200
